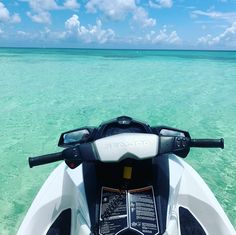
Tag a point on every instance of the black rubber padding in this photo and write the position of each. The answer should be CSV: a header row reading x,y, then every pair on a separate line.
x,y
189,224
207,143
44,159
62,224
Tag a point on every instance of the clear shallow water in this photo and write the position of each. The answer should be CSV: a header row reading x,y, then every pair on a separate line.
x,y
44,92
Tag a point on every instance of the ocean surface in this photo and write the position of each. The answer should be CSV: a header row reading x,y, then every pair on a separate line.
x,y
44,92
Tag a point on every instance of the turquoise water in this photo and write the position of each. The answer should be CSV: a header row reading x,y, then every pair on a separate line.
x,y
44,92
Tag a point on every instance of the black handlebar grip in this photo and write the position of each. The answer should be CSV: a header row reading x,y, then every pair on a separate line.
x,y
44,159
207,143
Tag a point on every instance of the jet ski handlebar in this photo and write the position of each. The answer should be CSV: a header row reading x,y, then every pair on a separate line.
x,y
119,147
45,159
207,143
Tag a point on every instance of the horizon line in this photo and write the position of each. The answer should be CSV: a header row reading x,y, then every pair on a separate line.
x,y
118,49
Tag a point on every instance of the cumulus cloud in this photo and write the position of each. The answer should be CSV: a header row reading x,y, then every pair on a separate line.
x,y
41,17
49,5
119,9
92,33
163,37
45,35
73,30
225,38
5,15
207,39
40,9
43,5
115,10
161,3
71,4
72,23
141,16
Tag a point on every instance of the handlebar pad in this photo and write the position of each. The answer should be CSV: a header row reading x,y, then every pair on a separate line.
x,y
86,152
44,159
207,143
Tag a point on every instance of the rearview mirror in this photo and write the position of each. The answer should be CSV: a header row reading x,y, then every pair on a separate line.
x,y
169,132
74,137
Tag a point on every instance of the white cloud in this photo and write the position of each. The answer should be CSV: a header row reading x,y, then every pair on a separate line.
x,y
119,9
228,16
163,37
49,35
228,37
92,33
161,3
43,17
4,13
15,18
45,35
72,23
115,9
40,9
6,17
205,39
21,33
43,5
49,5
141,16
73,30
1,31
71,4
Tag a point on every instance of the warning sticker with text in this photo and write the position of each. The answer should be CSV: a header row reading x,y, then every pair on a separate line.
x,y
133,209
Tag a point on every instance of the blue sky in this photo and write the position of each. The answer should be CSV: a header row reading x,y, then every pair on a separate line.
x,y
149,24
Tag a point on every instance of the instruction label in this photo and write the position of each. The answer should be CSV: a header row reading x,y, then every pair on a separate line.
x,y
142,211
113,211
133,209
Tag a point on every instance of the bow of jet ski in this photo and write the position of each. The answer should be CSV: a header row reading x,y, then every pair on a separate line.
x,y
125,177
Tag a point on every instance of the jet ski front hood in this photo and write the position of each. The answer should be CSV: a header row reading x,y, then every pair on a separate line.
x,y
189,191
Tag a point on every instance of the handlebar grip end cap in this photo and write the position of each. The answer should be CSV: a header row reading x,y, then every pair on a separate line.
x,y
222,143
30,161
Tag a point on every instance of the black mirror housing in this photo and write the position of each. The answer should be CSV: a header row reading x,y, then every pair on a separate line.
x,y
74,137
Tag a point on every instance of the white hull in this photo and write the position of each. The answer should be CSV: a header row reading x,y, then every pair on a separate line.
x,y
64,189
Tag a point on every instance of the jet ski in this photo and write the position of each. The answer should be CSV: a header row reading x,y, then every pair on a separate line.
x,y
125,177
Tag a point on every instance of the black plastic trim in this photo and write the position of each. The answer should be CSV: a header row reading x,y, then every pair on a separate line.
x,y
189,224
88,151
62,225
91,131
160,166
92,192
123,126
